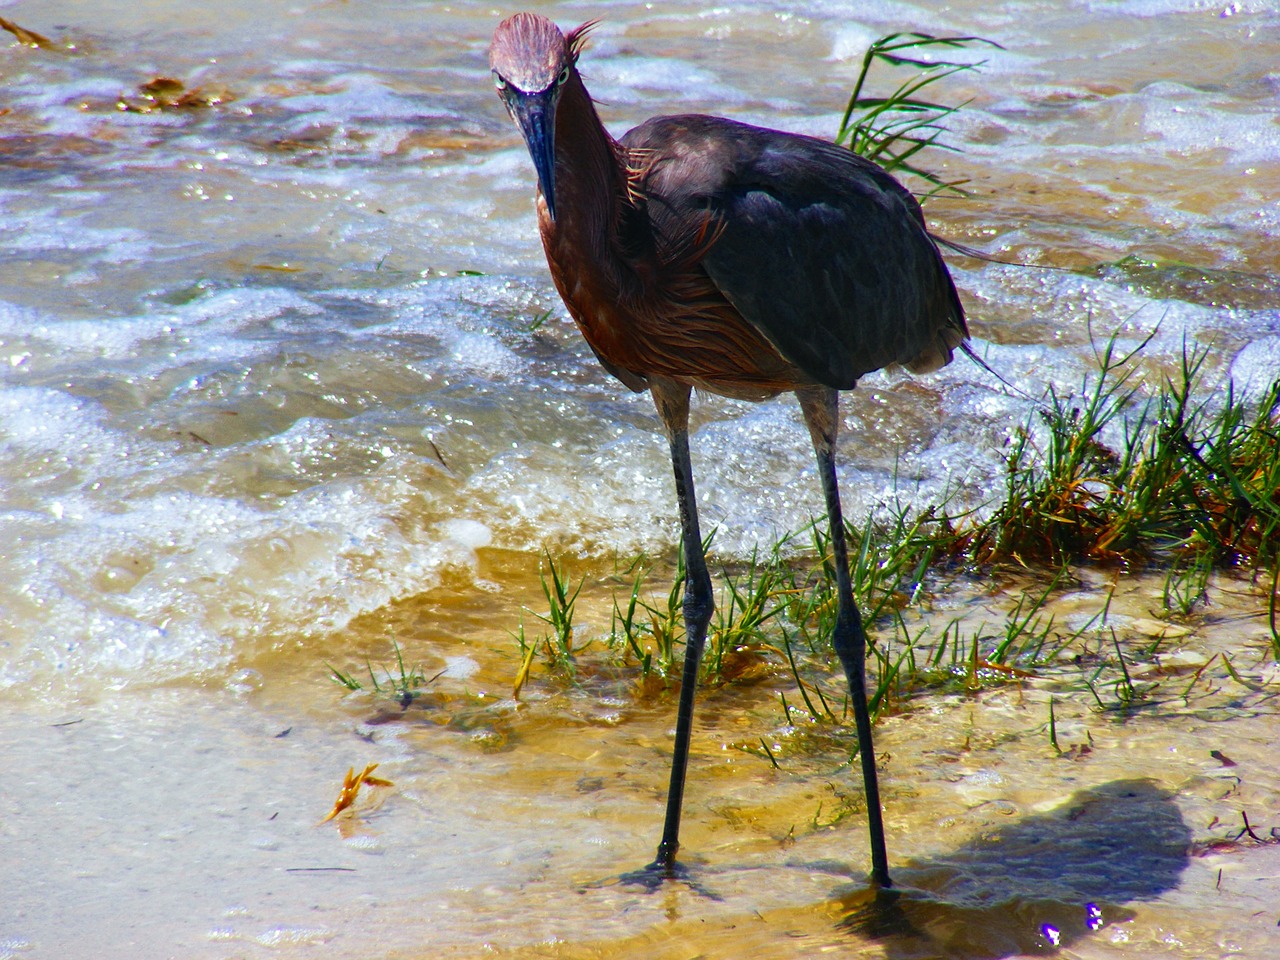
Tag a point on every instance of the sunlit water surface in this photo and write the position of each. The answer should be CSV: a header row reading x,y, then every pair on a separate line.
x,y
274,395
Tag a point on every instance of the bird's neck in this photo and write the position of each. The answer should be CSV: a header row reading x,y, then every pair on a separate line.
x,y
595,279
590,176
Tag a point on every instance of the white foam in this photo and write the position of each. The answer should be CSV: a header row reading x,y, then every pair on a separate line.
x,y
460,668
1164,8
1189,121
50,232
1256,367
619,79
467,533
361,96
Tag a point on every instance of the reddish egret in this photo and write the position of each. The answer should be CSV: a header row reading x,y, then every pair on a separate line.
x,y
701,252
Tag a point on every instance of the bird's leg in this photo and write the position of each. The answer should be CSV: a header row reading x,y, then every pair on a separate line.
x,y
672,400
820,407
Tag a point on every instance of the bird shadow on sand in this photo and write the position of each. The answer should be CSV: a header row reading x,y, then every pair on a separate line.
x,y
1031,887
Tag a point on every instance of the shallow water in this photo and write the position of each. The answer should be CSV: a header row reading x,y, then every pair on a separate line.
x,y
260,415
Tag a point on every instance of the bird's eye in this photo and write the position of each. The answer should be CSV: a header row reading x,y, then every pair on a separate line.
x,y
499,83
564,75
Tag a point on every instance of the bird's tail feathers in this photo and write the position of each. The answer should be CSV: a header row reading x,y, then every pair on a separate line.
x,y
967,349
976,254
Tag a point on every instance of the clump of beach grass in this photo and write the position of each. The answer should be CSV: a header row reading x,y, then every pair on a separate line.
x,y
892,130
1182,482
1194,484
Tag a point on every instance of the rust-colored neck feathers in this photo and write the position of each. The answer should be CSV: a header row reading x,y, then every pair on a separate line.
x,y
590,180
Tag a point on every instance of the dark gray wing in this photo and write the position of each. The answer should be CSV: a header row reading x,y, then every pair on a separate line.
x,y
821,251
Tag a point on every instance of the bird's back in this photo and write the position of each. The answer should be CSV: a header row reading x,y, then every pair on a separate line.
x,y
821,252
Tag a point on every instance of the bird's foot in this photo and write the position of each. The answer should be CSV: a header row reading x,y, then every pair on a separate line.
x,y
654,876
876,912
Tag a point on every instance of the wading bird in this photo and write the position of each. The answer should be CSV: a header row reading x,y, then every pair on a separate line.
x,y
701,252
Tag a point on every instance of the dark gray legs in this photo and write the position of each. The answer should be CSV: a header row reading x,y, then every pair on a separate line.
x,y
673,406
820,414
819,405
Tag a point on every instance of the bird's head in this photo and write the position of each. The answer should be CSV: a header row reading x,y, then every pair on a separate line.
x,y
532,62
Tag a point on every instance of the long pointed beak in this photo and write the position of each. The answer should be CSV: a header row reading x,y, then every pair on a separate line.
x,y
535,113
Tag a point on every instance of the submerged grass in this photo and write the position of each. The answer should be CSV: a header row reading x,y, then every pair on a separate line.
x,y
401,682
1184,481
